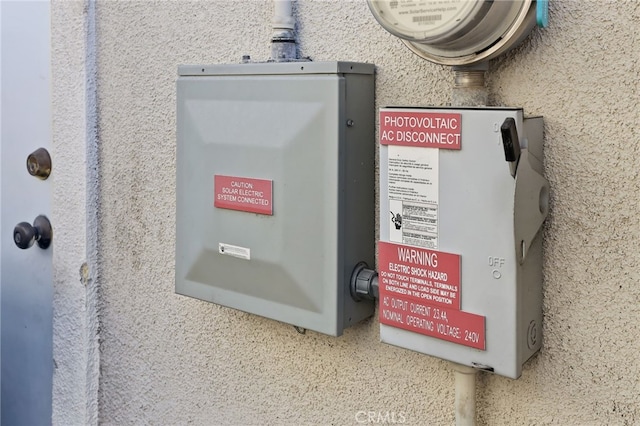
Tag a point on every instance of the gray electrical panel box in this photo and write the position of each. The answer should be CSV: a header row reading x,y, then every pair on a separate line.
x,y
462,201
275,188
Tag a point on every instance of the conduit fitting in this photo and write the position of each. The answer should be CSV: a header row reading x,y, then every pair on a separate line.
x,y
283,40
364,283
283,47
468,78
469,85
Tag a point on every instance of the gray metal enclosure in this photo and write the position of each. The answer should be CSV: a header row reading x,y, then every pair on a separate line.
x,y
485,213
309,129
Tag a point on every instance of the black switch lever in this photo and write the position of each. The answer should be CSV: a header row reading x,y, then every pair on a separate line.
x,y
511,144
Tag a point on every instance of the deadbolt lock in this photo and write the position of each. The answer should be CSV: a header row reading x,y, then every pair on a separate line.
x,y
24,234
39,163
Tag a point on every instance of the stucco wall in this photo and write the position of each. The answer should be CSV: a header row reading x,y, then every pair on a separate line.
x,y
74,214
168,359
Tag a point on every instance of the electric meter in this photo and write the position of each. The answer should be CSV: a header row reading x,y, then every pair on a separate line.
x,y
457,32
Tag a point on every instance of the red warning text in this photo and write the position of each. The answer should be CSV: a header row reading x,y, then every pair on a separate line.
x,y
425,129
243,194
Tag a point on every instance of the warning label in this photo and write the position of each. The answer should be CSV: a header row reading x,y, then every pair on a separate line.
x,y
424,129
424,275
420,292
243,194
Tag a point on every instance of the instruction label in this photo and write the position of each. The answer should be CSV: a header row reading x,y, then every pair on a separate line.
x,y
420,292
413,196
243,194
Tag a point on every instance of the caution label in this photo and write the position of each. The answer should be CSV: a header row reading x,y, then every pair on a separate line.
x,y
243,194
424,129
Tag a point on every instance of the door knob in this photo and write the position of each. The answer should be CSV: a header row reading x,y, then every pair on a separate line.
x,y
39,163
24,234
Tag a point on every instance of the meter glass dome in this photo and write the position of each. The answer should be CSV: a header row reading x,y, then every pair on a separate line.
x,y
424,20
456,32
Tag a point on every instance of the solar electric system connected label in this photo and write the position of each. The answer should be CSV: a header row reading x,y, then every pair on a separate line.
x,y
243,194
420,286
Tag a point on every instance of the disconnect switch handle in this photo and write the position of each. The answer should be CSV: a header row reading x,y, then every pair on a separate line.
x,y
511,143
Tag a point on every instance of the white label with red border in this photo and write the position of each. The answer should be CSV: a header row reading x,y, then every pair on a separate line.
x,y
243,194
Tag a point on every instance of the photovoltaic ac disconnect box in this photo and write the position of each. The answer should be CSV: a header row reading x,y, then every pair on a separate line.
x,y
462,202
275,188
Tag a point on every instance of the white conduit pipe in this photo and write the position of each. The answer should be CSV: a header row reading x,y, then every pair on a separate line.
x,y
465,402
283,17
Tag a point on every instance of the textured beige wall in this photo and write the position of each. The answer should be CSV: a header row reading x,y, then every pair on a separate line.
x,y
168,359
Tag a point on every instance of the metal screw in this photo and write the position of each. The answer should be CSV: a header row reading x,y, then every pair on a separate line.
x,y
350,123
